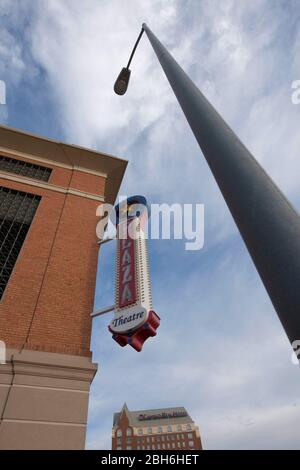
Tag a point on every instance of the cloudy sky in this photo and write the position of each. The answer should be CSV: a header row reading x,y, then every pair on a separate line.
x,y
220,350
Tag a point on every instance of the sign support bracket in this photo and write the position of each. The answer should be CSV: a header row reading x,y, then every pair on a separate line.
x,y
102,311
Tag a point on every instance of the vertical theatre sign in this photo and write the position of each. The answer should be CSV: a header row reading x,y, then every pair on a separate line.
x,y
134,320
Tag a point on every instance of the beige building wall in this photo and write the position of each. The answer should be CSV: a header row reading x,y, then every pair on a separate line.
x,y
44,400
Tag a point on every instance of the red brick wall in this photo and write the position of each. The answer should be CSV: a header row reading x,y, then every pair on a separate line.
x,y
51,290
155,439
90,183
123,425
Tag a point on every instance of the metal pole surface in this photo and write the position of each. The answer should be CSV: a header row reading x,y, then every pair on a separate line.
x,y
268,223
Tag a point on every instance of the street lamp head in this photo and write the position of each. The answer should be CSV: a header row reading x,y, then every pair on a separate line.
x,y
122,81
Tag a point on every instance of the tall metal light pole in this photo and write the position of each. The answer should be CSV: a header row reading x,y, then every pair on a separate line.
x,y
268,223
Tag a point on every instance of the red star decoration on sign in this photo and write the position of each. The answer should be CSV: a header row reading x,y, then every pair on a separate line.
x,y
139,336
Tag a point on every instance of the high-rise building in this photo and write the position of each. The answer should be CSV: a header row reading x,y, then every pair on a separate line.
x,y
49,193
160,429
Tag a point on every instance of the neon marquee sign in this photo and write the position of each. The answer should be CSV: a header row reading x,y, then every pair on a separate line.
x,y
134,320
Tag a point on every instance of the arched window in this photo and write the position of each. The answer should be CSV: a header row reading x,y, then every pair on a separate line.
x,y
179,427
140,432
169,428
188,427
159,430
128,432
119,433
149,430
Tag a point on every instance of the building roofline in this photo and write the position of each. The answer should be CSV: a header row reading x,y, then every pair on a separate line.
x,y
133,416
67,155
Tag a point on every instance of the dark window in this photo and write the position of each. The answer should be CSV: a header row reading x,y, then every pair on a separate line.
x,y
17,210
24,168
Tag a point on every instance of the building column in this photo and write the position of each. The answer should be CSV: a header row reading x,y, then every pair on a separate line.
x,y
44,400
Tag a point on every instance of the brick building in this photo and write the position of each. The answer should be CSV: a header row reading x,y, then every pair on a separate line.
x,y
161,429
49,193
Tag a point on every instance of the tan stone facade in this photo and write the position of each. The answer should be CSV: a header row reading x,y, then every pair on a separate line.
x,y
44,400
45,308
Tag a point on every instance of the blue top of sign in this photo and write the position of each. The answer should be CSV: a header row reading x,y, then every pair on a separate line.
x,y
131,207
